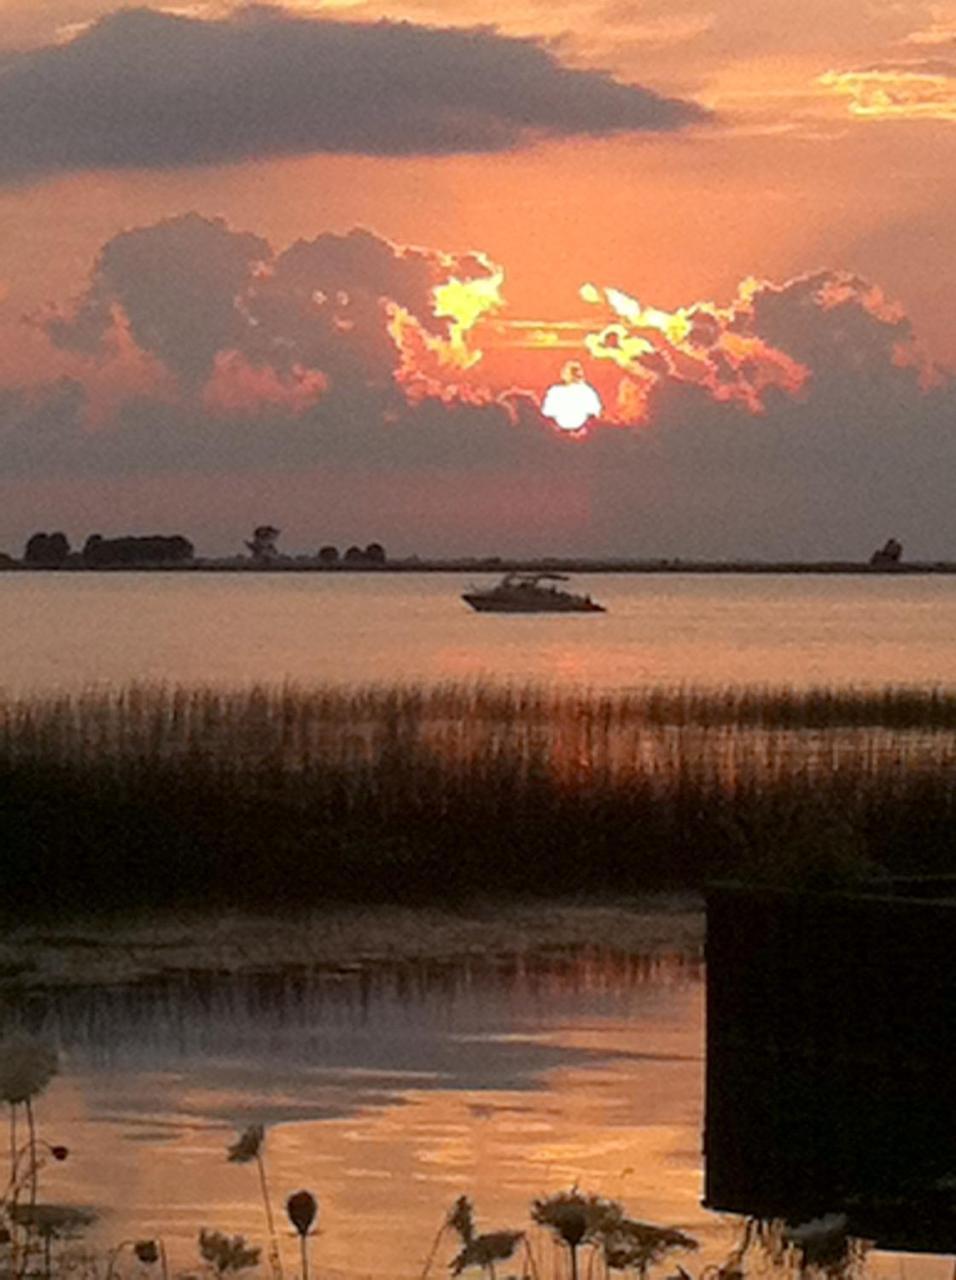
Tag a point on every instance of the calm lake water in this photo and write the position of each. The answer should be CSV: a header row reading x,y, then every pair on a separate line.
x,y
388,1095
68,630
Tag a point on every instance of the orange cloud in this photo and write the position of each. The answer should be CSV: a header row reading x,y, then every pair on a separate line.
x,y
236,386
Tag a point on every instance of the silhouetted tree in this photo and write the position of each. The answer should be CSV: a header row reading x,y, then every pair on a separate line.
x,y
263,543
375,553
329,554
47,549
152,549
354,555
887,556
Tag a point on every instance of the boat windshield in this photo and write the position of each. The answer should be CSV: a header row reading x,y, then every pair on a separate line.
x,y
540,581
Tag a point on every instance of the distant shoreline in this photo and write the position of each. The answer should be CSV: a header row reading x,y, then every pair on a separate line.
x,y
507,566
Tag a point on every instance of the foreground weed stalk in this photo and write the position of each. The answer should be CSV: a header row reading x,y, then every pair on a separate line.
x,y
275,1258
226,1256
27,1066
246,1148
32,1130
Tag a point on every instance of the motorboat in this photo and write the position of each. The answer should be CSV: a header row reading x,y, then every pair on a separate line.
x,y
529,593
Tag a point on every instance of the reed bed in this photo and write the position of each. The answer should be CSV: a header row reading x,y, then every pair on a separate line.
x,y
285,796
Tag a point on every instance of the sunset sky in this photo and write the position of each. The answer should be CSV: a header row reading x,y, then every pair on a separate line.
x,y
317,265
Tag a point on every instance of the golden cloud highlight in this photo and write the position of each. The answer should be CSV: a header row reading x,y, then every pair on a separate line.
x,y
710,346
904,91
634,349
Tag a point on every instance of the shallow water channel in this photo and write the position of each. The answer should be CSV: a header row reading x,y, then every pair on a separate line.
x,y
388,1093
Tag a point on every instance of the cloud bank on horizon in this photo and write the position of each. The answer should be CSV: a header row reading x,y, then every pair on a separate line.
x,y
800,418
146,88
197,302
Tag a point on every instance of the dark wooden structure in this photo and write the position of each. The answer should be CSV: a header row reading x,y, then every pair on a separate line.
x,y
831,1057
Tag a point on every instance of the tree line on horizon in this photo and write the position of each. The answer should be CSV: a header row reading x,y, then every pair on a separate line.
x,y
264,550
53,550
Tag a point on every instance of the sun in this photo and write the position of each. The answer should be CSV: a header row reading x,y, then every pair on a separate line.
x,y
572,401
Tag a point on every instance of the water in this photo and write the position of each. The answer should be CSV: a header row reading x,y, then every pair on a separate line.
x,y
388,1095
69,630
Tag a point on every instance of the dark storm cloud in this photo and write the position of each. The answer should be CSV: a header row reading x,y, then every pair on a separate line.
x,y
43,433
178,284
866,449
142,88
41,428
190,289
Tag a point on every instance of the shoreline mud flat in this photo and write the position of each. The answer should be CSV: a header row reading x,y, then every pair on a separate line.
x,y
98,951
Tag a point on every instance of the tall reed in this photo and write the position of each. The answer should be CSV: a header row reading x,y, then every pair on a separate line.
x,y
285,796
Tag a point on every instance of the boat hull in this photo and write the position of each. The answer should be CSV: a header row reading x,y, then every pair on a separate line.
x,y
487,604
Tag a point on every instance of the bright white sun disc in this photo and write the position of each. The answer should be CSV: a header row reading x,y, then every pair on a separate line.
x,y
570,404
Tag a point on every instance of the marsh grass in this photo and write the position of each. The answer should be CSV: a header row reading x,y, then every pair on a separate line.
x,y
287,797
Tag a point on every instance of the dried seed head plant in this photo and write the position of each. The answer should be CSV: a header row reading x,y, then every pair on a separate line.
x,y
248,1147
